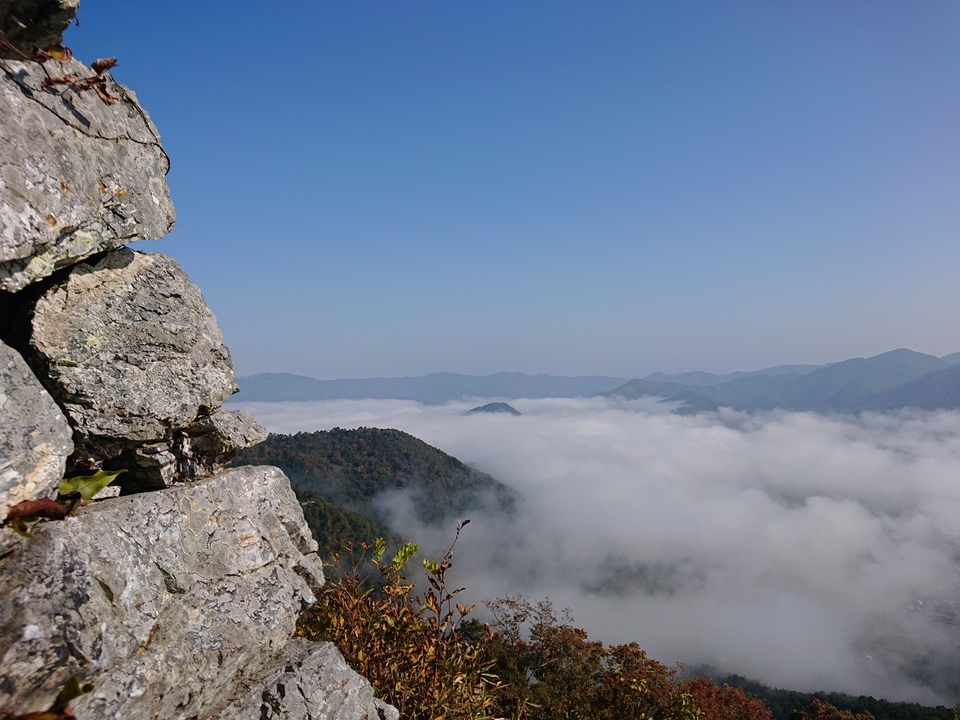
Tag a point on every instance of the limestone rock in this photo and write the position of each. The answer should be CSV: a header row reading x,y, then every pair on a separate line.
x,y
311,681
169,602
77,176
34,436
197,451
129,349
34,440
28,23
210,443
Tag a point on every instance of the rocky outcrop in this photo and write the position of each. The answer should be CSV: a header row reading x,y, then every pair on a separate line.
x,y
310,680
115,336
33,23
164,601
210,443
77,176
178,598
34,436
128,347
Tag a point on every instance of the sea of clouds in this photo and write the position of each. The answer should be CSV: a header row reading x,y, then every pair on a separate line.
x,y
807,551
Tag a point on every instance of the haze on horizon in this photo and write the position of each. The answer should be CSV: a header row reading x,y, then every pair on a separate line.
x,y
384,189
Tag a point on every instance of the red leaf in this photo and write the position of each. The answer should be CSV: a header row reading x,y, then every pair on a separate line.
x,y
44,507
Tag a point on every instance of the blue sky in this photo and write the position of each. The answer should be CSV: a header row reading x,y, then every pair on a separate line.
x,y
395,188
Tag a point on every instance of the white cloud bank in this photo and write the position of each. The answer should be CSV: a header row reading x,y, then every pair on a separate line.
x,y
806,551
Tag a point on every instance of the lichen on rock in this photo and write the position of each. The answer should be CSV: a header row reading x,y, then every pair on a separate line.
x,y
35,439
165,601
77,176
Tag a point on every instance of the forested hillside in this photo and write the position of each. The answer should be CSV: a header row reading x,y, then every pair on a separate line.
x,y
352,467
337,529
783,702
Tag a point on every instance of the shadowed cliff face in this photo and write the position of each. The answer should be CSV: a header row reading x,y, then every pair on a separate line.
x,y
179,599
26,24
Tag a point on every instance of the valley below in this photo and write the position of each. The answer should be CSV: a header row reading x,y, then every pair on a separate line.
x,y
810,551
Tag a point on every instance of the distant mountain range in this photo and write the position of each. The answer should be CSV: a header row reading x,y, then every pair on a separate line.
x,y
896,379
704,379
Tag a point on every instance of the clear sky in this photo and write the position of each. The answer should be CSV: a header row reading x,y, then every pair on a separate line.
x,y
395,188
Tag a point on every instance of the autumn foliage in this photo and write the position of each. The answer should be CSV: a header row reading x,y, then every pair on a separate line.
x,y
551,669
819,710
726,703
424,655
407,645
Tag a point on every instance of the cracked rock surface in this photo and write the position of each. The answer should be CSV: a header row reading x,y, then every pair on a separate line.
x,y
77,176
311,681
167,602
34,439
197,451
128,347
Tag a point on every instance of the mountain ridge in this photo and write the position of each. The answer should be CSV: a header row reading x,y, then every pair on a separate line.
x,y
352,467
894,379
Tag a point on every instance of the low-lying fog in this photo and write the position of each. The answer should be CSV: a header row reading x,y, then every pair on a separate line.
x,y
806,551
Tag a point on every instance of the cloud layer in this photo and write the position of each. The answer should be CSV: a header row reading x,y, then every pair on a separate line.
x,y
807,551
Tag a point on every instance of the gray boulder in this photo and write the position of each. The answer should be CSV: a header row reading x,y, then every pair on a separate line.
x,y
77,176
129,349
311,681
170,602
34,440
34,437
28,23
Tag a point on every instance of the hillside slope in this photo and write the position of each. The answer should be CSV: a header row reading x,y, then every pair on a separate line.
x,y
353,467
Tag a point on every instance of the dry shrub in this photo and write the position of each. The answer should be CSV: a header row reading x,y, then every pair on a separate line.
x,y
551,669
425,657
726,703
407,645
819,710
